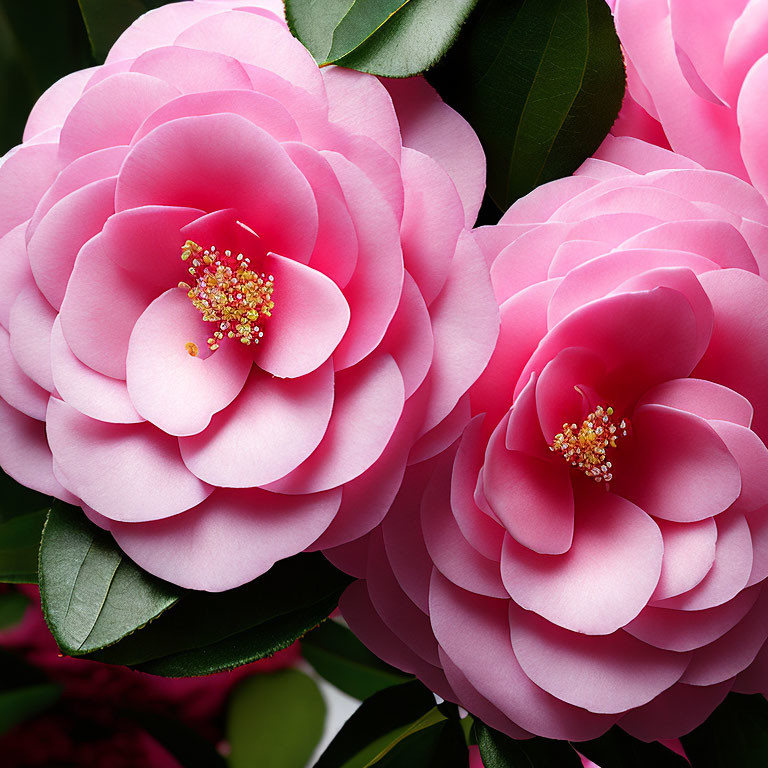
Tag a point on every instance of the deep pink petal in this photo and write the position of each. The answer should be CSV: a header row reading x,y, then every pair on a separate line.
x,y
758,530
232,537
271,428
128,472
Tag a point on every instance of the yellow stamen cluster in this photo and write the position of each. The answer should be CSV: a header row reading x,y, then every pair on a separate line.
x,y
229,293
585,447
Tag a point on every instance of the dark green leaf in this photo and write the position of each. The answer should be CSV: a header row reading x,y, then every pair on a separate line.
x,y
617,749
540,82
208,632
376,724
106,21
343,660
19,547
275,720
20,704
13,606
734,735
499,751
394,38
92,594
17,500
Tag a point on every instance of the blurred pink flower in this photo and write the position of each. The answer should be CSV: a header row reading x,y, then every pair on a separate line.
x,y
239,293
594,550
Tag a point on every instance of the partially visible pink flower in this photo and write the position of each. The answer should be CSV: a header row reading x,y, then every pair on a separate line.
x,y
594,549
239,294
699,68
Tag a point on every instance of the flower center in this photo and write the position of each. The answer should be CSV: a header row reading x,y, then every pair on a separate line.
x,y
229,293
585,447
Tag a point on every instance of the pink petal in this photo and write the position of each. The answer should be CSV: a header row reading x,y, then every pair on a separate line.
x,y
232,537
91,393
689,552
368,404
686,476
752,123
607,673
167,166
108,113
430,126
17,276
16,388
350,558
310,318
758,530
373,292
128,472
531,497
539,204
175,390
52,108
30,330
603,581
474,632
63,231
271,428
445,434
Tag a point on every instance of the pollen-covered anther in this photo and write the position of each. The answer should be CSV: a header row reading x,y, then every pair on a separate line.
x,y
229,293
585,447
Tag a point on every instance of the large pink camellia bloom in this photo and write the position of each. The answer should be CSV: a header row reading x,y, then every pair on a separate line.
x,y
594,549
239,293
699,68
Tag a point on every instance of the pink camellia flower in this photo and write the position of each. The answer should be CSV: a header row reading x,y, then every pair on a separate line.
x,y
699,68
594,549
239,292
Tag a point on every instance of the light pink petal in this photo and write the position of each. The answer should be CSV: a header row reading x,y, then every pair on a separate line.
x,y
26,457
25,173
175,390
191,71
734,651
675,712
362,105
474,632
531,497
254,39
702,398
573,253
463,344
752,123
729,573
108,113
445,434
729,360
453,556
603,581
168,167
686,476
689,552
98,396
271,428
17,276
430,126
609,673
16,388
309,320
688,630
128,472
482,532
335,252
52,108
234,536
374,290
95,325
63,231
30,330
433,218
368,405
539,205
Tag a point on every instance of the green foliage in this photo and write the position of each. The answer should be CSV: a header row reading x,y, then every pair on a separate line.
x,y
499,751
19,546
13,606
393,38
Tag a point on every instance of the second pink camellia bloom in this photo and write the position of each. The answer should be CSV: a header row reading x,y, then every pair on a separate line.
x,y
594,549
236,293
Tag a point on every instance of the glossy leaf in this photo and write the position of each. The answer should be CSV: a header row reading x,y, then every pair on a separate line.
x,y
617,749
540,82
394,38
344,661
735,734
19,547
275,720
499,751
20,704
92,594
